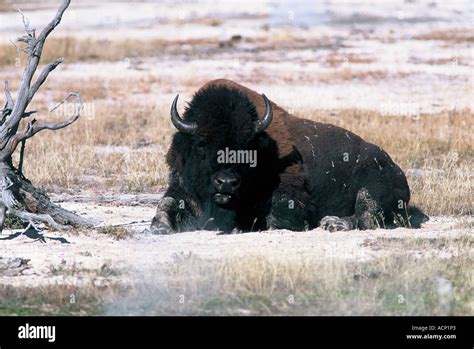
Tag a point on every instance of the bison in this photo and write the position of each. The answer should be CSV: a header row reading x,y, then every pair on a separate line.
x,y
305,174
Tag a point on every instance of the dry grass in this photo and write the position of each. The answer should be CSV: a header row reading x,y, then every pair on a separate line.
x,y
80,291
336,59
50,300
399,284
443,61
407,277
341,74
213,22
348,74
452,35
439,245
79,50
106,149
117,232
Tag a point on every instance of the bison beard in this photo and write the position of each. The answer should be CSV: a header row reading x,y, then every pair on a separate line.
x,y
308,173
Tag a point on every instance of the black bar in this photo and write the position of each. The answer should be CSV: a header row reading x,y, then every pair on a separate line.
x,y
349,331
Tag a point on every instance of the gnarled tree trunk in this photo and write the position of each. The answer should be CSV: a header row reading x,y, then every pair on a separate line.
x,y
18,196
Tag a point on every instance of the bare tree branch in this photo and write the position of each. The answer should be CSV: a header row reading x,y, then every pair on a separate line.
x,y
22,155
55,22
29,113
26,21
43,76
45,218
19,49
31,33
34,127
9,103
35,48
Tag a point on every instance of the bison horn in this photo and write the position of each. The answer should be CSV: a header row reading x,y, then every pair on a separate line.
x,y
180,124
261,126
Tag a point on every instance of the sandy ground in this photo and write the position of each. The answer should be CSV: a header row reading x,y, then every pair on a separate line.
x,y
75,258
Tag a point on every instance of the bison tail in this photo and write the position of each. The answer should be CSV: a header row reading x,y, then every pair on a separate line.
x,y
416,217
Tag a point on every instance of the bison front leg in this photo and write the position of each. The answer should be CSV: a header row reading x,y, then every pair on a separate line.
x,y
172,215
162,222
291,204
288,211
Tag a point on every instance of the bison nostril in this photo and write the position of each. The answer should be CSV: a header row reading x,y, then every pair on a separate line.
x,y
226,183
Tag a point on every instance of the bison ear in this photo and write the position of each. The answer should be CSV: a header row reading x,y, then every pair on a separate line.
x,y
261,125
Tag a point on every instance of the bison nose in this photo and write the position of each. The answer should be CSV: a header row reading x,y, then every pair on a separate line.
x,y
226,182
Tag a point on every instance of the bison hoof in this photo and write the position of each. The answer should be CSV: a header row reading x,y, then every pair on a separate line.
x,y
333,223
161,229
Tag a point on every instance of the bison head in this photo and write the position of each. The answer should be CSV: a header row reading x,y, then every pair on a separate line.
x,y
218,130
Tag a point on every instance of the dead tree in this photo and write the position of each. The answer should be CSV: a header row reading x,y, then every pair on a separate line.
x,y
18,196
